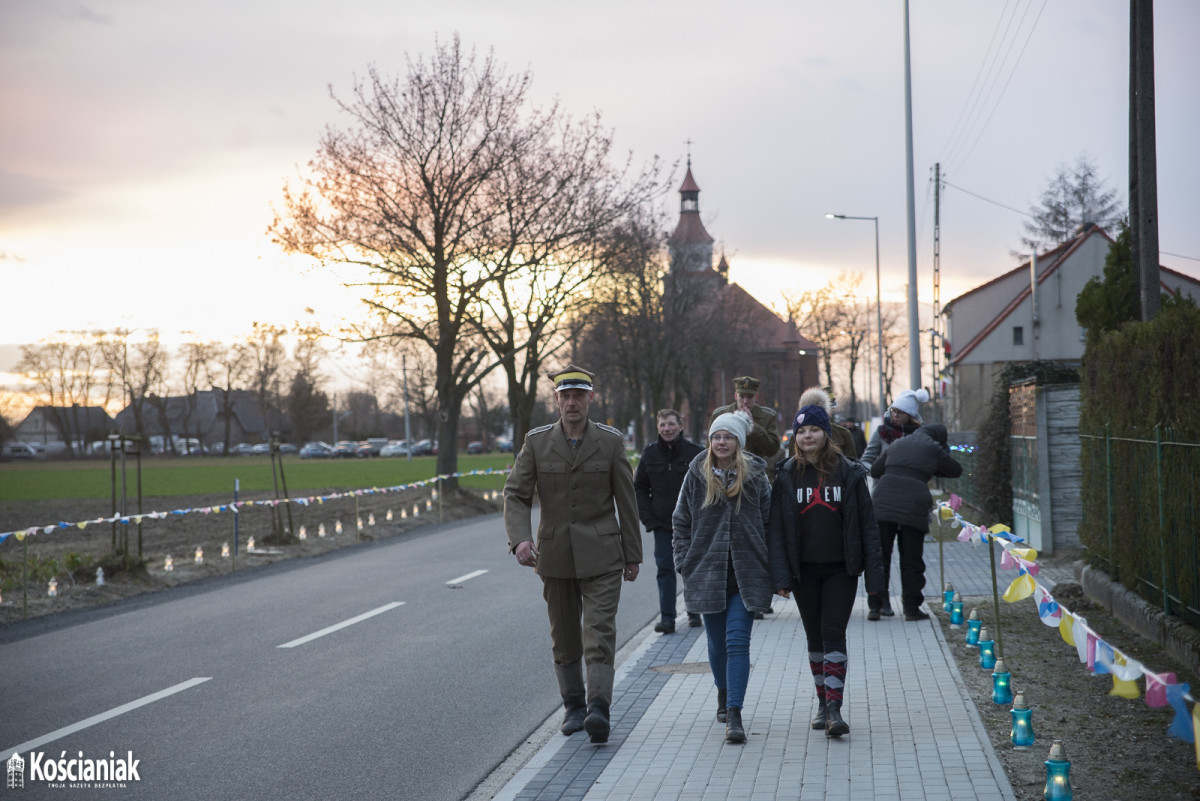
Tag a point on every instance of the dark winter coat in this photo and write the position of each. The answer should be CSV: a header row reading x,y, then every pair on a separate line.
x,y
860,534
902,476
658,478
884,435
706,537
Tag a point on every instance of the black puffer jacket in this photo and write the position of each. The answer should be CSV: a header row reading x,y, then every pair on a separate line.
x,y
659,476
859,531
902,476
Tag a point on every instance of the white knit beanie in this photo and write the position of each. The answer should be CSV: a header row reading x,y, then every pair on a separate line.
x,y
735,424
909,401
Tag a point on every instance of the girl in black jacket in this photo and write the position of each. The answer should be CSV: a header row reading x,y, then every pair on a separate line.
x,y
821,537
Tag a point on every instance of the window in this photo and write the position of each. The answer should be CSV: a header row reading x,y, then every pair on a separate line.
x,y
1018,335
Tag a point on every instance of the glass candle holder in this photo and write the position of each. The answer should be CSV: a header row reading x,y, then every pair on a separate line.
x,y
947,596
973,626
1001,684
1021,734
956,611
1058,775
987,649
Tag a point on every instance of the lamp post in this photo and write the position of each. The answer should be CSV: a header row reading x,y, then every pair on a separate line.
x,y
878,304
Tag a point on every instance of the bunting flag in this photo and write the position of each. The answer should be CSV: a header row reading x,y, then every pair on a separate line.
x,y
1196,727
1124,685
1156,688
236,507
1103,657
1080,635
1020,589
1181,726
1066,627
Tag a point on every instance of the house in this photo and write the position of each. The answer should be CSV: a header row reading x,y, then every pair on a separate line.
x,y
63,429
203,415
1027,314
771,348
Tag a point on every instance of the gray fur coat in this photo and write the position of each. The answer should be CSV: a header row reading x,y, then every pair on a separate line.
x,y
707,537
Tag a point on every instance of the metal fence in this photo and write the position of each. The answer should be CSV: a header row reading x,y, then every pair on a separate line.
x,y
1141,514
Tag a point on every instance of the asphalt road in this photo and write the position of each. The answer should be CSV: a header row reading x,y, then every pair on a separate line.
x,y
223,691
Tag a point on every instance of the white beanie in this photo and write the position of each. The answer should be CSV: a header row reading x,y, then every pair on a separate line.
x,y
735,424
909,401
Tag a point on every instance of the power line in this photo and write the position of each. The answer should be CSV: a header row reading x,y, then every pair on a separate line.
x,y
985,199
971,93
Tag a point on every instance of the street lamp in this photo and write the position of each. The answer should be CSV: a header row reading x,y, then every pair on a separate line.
x,y
878,304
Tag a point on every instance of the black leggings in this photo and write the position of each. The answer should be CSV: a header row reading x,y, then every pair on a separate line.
x,y
825,599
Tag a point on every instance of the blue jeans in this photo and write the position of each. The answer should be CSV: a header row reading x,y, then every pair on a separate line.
x,y
664,557
729,649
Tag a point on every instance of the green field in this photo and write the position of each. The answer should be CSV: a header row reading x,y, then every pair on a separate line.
x,y
168,477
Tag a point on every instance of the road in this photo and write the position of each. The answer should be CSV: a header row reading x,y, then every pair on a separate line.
x,y
401,669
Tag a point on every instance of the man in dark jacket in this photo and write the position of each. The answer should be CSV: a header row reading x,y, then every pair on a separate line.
x,y
657,481
902,503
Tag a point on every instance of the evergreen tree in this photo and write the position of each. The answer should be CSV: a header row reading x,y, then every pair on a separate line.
x,y
1074,196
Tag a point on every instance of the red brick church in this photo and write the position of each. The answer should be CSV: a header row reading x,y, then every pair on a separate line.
x,y
774,351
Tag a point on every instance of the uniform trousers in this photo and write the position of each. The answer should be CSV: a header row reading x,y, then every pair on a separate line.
x,y
583,617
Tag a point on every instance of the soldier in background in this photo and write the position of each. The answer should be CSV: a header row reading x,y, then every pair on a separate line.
x,y
763,439
588,538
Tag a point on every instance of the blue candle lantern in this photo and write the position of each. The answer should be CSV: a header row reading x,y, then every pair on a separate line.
x,y
1001,684
987,649
973,626
956,611
1058,779
1022,724
947,596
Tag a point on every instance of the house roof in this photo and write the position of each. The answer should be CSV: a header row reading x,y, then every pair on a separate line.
x,y
81,420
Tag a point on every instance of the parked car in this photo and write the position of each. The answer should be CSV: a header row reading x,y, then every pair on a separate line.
x,y
21,451
477,447
315,450
364,450
423,447
504,445
242,449
375,444
397,448
343,450
261,449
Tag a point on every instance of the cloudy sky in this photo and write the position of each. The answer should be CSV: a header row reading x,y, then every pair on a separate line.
x,y
144,143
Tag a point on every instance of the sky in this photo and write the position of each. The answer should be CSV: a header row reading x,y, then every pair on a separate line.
x,y
144,145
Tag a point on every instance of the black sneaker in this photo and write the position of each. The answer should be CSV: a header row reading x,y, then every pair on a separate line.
x,y
694,621
915,614
665,627
887,611
871,615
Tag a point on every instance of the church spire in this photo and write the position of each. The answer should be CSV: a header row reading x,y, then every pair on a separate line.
x,y
690,246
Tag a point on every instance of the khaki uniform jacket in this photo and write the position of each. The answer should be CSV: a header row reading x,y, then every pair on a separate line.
x,y
763,439
589,515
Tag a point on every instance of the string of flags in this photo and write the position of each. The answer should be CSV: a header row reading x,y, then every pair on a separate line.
x,y
21,534
1100,657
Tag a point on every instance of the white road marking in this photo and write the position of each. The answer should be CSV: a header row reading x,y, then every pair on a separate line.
x,y
342,625
103,716
458,582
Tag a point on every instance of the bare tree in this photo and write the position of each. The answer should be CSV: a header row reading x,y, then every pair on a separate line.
x,y
1073,196
227,370
409,193
67,372
138,369
821,315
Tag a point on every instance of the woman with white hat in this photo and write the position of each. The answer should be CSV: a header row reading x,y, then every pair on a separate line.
x,y
720,549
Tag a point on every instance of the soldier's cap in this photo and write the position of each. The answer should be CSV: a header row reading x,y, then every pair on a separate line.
x,y
746,384
573,377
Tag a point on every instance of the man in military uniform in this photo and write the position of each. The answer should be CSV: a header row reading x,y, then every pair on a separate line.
x,y
763,439
588,538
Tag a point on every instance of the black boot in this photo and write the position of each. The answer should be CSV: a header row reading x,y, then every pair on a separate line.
x,y
818,722
576,707
722,716
596,722
734,733
834,725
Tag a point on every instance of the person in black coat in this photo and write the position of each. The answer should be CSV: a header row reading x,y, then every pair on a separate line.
x,y
902,505
657,480
821,537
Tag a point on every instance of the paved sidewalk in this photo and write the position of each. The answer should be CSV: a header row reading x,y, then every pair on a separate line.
x,y
914,732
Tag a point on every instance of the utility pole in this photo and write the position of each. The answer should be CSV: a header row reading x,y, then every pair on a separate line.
x,y
914,325
936,332
1143,159
407,425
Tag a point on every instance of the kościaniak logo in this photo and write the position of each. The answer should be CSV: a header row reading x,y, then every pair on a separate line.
x,y
77,773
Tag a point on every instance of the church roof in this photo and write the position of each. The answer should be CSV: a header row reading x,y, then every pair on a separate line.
x,y
689,230
689,183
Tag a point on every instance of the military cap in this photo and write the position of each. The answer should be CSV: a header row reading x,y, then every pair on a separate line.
x,y
746,384
572,377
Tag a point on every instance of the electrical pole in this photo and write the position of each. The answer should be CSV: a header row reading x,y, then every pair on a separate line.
x,y
914,325
936,329
1143,159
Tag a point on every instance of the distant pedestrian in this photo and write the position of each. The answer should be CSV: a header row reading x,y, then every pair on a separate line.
x,y
902,505
721,551
856,433
657,480
588,538
902,418
822,537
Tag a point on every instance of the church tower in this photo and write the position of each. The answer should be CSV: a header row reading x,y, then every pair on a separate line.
x,y
690,246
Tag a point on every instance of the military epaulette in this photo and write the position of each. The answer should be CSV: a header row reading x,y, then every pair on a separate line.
x,y
538,430
610,429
